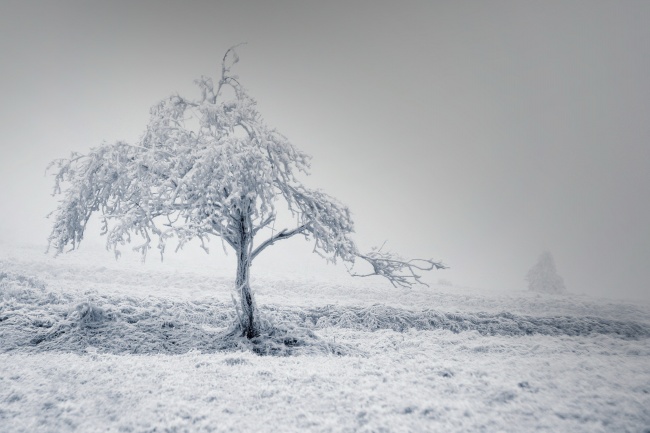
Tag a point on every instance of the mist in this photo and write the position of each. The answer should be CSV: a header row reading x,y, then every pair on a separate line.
x,y
480,134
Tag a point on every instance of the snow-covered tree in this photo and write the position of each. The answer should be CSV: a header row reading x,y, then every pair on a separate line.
x,y
543,277
210,167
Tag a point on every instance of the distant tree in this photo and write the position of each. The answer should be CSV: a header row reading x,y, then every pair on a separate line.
x,y
210,167
543,277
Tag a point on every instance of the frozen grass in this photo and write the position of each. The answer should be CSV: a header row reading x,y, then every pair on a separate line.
x,y
94,349
35,319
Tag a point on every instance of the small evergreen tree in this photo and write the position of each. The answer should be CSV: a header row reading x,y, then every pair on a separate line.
x,y
543,277
210,167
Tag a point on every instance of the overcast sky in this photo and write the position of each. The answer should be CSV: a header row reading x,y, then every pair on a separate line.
x,y
479,133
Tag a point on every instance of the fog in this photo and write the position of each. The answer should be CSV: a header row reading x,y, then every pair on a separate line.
x,y
477,133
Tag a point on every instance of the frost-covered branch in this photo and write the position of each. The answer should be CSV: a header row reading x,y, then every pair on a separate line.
x,y
398,271
282,234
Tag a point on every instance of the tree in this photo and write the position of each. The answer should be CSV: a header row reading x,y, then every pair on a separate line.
x,y
543,277
210,167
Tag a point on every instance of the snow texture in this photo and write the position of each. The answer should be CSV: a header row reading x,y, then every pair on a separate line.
x,y
116,349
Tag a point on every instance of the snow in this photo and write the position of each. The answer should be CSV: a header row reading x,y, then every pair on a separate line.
x,y
89,344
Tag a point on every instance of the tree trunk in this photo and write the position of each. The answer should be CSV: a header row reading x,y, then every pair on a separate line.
x,y
249,319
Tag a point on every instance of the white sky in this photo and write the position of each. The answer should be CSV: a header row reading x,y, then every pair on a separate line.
x,y
479,133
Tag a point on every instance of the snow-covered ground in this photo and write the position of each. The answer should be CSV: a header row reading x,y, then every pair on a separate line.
x,y
89,344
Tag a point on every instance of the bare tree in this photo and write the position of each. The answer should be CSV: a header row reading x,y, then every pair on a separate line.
x,y
209,167
543,277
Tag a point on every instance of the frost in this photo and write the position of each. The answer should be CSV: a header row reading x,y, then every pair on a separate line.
x,y
39,320
113,361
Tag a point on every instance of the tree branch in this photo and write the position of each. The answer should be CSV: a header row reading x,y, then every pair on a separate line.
x,y
399,272
283,234
263,224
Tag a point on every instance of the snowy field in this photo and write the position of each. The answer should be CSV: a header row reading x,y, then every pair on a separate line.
x,y
88,344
